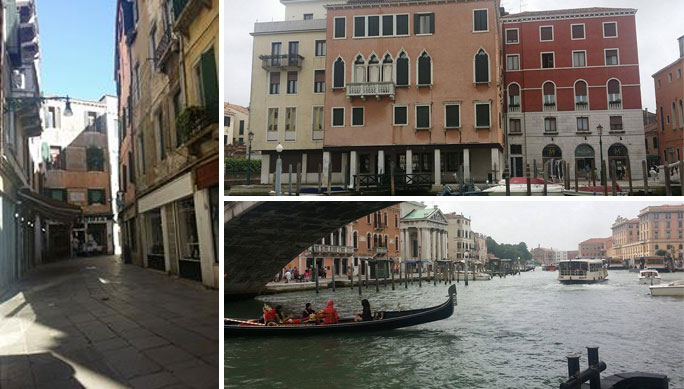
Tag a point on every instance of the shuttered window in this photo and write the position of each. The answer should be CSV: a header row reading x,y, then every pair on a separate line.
x,y
578,31
340,28
610,30
319,81
360,26
452,115
275,83
387,25
512,36
481,67
403,70
402,24
514,95
482,116
210,84
423,116
292,83
400,115
480,22
424,69
616,123
546,33
374,26
338,74
581,93
338,117
357,116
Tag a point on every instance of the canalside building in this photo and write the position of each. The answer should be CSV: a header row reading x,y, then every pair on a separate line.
x,y
669,87
568,74
594,247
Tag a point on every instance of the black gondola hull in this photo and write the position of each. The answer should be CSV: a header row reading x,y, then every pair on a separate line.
x,y
390,321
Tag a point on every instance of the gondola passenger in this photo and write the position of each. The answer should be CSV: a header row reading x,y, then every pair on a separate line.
x,y
366,315
308,311
330,315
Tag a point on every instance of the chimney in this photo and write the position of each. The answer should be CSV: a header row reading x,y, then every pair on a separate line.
x,y
681,46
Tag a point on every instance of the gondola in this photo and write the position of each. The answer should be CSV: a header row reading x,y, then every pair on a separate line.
x,y
390,321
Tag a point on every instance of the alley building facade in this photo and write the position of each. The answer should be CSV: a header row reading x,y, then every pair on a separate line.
x,y
167,65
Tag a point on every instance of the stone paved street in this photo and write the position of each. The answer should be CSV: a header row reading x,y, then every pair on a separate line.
x,y
98,323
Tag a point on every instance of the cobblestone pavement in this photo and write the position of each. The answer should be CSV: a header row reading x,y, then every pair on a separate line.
x,y
98,323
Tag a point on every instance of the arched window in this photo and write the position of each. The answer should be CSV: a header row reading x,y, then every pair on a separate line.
x,y
549,94
424,69
396,243
359,69
338,73
387,68
373,69
385,242
481,67
514,96
355,240
614,94
581,95
385,219
403,69
368,240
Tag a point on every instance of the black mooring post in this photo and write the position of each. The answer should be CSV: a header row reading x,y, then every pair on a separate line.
x,y
333,274
595,380
392,276
377,278
420,274
359,274
316,274
405,275
573,365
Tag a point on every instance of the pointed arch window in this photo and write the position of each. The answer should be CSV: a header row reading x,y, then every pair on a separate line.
x,y
387,68
424,69
403,69
481,67
359,69
338,73
373,69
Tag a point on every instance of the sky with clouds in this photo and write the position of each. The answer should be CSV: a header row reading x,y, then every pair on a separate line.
x,y
659,24
546,222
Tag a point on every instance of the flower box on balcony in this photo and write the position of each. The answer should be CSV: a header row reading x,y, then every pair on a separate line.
x,y
192,121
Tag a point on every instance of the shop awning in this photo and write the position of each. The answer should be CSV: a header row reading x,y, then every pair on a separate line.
x,y
48,208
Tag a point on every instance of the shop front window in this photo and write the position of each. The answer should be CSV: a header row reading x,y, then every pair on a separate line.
x,y
189,262
214,204
155,240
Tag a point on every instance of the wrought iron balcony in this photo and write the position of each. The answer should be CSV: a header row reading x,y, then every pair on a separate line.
x,y
167,45
365,89
285,62
327,249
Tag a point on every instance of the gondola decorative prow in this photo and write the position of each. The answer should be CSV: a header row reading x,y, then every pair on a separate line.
x,y
452,293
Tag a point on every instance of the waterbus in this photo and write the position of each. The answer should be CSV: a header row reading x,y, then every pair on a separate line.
x,y
581,271
657,262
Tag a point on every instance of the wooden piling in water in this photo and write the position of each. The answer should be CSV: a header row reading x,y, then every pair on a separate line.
x,y
377,279
299,178
351,278
613,173
333,275
392,279
405,275
603,178
420,274
366,268
320,178
289,181
668,184
359,274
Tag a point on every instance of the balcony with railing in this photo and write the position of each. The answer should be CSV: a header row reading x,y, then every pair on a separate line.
x,y
281,62
186,11
581,103
614,101
326,249
549,103
167,44
372,89
617,129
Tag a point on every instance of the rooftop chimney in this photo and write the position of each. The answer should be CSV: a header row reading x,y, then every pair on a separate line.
x,y
681,46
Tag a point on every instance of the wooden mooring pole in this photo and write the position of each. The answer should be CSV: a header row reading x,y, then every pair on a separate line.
x,y
299,178
644,168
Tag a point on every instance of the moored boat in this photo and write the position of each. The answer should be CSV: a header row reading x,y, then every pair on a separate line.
x,y
390,320
581,271
649,276
675,288
549,267
518,187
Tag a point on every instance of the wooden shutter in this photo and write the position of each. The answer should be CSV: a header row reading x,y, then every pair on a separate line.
x,y
432,23
359,26
549,89
210,84
481,67
319,76
338,70
424,70
613,87
482,115
388,25
416,22
402,71
452,119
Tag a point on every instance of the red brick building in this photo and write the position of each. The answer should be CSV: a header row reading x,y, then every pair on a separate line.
x,y
669,86
567,72
595,247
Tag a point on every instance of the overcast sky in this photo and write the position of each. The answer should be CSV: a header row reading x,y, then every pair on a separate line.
x,y
551,224
659,24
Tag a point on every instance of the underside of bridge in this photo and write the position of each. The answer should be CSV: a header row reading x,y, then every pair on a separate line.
x,y
262,237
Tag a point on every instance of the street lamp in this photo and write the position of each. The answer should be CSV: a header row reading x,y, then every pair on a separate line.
x,y
599,129
279,170
250,137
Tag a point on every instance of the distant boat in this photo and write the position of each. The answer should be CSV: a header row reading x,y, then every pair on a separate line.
x,y
581,271
649,276
672,289
518,186
390,321
549,267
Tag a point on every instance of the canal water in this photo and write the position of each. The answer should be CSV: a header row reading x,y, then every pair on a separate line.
x,y
512,332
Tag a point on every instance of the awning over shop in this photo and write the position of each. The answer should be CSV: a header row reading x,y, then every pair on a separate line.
x,y
48,208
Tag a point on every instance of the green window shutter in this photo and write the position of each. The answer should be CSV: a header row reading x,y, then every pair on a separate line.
x,y
210,85
415,24
432,23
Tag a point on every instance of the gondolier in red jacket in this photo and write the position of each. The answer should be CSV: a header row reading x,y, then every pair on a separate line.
x,y
330,315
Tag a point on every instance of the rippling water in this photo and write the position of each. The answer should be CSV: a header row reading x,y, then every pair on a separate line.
x,y
505,333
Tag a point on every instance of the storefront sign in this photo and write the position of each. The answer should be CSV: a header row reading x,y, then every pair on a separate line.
x,y
584,151
207,175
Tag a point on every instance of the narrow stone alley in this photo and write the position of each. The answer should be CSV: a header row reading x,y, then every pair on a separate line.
x,y
96,322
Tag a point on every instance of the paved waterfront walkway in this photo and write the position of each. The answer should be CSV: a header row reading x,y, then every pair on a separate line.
x,y
97,323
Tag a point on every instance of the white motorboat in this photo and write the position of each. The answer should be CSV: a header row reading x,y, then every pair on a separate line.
x,y
581,271
649,276
675,288
518,187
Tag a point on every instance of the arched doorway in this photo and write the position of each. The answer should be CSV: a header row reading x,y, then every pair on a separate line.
x,y
585,160
618,153
554,155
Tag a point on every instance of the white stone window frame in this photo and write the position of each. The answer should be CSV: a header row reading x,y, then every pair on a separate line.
x,y
512,55
573,59
617,33
541,59
475,104
584,30
363,117
394,117
517,29
332,117
482,31
344,74
432,73
335,24
415,113
452,104
605,56
553,33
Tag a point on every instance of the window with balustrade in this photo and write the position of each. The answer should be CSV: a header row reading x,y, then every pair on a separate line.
x,y
581,96
549,90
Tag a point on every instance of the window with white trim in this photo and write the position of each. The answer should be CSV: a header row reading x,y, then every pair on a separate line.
x,y
338,117
513,62
610,30
318,117
512,37
424,69
338,73
452,115
579,59
319,81
291,119
423,116
547,60
403,69
546,33
513,96
358,116
481,67
340,28
612,57
320,48
424,23
273,120
480,20
400,116
483,115
577,31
